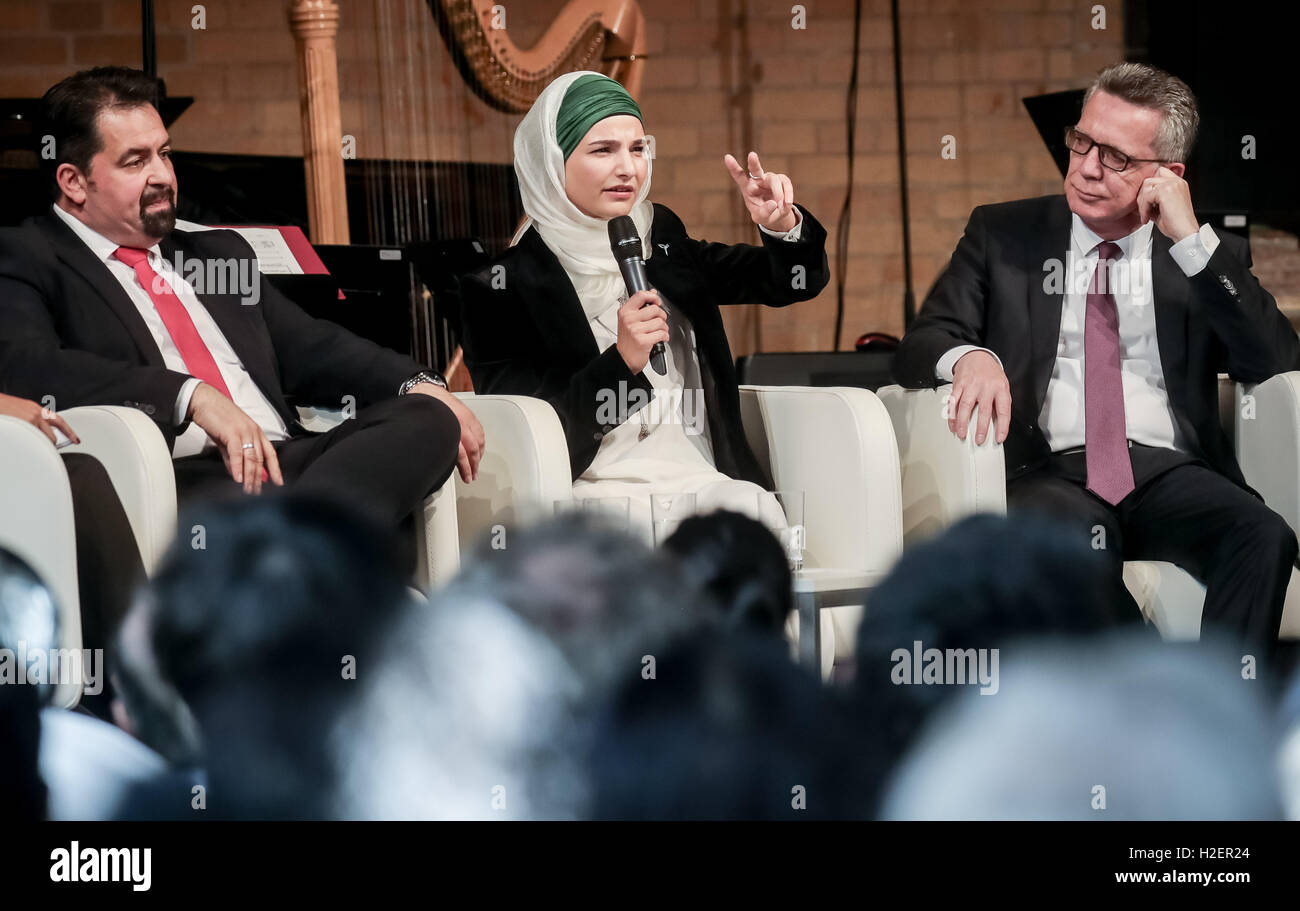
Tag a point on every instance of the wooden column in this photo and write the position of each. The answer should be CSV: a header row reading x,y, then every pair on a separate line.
x,y
315,23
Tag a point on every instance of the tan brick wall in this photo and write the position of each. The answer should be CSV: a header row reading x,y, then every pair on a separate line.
x,y
724,75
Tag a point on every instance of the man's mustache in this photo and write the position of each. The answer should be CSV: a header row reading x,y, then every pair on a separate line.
x,y
168,194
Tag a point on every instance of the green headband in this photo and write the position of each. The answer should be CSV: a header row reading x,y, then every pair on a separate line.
x,y
590,99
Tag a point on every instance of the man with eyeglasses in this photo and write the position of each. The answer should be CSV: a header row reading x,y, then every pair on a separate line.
x,y
1086,333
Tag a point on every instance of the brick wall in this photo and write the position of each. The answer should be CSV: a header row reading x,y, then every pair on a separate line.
x,y
724,76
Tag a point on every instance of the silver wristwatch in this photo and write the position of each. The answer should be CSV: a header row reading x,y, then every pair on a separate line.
x,y
422,377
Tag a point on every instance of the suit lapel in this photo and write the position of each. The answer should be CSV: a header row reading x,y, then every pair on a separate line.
x,y
1050,241
223,308
77,256
554,304
233,317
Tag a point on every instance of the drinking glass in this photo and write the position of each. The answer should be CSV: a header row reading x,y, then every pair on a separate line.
x,y
667,511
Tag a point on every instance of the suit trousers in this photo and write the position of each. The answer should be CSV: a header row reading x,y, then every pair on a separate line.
x,y
1183,512
108,562
384,461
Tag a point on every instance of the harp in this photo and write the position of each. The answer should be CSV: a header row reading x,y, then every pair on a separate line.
x,y
410,194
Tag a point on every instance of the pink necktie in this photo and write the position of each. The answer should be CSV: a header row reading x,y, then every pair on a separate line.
x,y
1110,472
198,359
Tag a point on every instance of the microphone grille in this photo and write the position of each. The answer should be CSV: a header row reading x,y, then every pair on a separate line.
x,y
623,239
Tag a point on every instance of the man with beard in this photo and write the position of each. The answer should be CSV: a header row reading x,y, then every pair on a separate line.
x,y
95,310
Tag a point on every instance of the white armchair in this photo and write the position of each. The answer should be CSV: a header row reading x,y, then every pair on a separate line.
x,y
834,444
837,445
945,479
437,540
135,455
525,467
36,519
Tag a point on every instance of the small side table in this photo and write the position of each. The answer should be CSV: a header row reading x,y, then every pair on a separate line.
x,y
815,589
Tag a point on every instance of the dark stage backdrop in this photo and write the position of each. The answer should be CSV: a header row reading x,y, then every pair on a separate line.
x,y
1240,59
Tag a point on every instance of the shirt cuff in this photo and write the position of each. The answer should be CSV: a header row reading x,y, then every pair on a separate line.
x,y
1193,252
183,399
943,370
792,235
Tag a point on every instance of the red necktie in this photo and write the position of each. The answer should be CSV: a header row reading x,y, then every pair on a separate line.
x,y
1110,472
198,359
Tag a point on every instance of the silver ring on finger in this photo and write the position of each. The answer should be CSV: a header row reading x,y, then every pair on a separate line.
x,y
247,445
752,177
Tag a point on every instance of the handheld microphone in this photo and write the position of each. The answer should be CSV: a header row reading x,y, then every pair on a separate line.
x,y
626,246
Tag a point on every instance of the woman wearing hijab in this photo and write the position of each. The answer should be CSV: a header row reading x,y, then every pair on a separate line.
x,y
551,317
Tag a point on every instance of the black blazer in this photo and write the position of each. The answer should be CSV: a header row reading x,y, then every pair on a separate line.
x,y
529,335
993,294
68,329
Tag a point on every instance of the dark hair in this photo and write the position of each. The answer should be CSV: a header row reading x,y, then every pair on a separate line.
x,y
253,629
729,728
70,110
1149,87
25,606
602,596
985,583
740,563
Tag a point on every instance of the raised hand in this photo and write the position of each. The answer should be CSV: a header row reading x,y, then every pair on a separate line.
x,y
769,197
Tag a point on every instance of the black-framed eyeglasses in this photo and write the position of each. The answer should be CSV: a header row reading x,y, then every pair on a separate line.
x,y
1111,157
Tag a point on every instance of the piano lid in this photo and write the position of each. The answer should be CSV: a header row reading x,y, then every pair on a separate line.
x,y
1051,114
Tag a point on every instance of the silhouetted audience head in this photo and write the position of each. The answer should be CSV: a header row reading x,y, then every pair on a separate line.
x,y
601,595
1288,756
258,623
471,715
28,616
1111,727
724,726
740,565
983,584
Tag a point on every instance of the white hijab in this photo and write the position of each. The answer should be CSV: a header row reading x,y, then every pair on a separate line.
x,y
580,242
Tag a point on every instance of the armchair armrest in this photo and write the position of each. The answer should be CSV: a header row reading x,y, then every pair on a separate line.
x,y
437,539
836,445
137,460
1268,441
525,466
36,525
944,478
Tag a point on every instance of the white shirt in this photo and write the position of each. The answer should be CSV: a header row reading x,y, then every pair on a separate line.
x,y
243,390
1148,414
